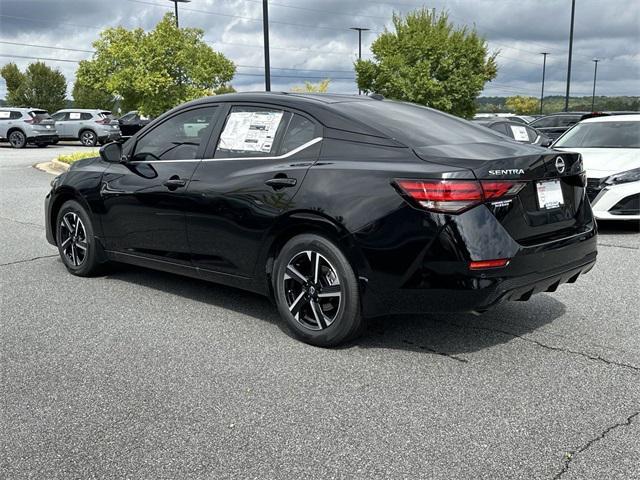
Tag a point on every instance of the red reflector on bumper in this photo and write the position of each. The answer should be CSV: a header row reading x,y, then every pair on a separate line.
x,y
482,264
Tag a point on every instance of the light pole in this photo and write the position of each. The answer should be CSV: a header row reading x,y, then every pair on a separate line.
x,y
265,30
544,67
595,74
566,98
359,30
175,4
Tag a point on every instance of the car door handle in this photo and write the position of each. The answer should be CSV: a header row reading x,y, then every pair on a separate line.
x,y
281,182
174,183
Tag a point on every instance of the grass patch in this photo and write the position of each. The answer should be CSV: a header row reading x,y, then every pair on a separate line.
x,y
74,157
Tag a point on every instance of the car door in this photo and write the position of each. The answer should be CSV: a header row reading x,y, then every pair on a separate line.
x,y
61,123
259,160
144,198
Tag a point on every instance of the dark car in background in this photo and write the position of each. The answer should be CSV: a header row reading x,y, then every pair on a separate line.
x,y
132,122
556,124
338,207
516,130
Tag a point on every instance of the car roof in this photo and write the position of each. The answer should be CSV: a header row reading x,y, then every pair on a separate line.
x,y
506,120
631,117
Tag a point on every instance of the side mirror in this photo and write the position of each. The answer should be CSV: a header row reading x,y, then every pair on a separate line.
x,y
111,152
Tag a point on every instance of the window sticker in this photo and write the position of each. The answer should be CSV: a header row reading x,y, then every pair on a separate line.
x,y
250,131
74,116
519,133
5,114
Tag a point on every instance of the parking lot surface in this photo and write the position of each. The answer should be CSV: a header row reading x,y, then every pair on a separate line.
x,y
141,374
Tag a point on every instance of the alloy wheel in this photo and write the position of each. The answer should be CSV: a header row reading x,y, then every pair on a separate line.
x,y
73,239
312,290
17,139
88,138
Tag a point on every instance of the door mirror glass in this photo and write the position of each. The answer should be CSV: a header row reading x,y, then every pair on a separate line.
x,y
111,152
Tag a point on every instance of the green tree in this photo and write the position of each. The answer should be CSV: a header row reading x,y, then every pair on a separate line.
x,y
428,60
39,86
523,105
321,87
157,70
87,96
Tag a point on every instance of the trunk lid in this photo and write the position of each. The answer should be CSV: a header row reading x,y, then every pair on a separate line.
x,y
526,219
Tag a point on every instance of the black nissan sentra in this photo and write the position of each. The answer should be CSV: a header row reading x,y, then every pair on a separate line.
x,y
338,207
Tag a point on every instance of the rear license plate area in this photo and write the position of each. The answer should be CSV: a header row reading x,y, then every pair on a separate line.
x,y
549,193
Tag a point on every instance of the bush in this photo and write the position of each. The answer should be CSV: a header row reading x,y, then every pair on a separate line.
x,y
74,157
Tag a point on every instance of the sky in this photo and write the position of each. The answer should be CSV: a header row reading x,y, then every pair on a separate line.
x,y
311,40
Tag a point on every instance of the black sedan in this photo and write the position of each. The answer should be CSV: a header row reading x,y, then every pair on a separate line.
x,y
132,122
516,130
340,208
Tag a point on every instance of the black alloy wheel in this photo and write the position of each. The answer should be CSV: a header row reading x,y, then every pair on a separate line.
x,y
75,240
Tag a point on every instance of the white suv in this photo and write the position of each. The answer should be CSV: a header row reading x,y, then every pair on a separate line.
x,y
20,126
88,126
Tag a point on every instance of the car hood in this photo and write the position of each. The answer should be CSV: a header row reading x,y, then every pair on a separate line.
x,y
602,162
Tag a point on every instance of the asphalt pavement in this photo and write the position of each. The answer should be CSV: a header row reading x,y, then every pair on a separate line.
x,y
141,374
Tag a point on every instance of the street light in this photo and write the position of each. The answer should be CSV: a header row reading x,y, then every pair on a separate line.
x,y
573,14
359,30
595,74
544,67
175,3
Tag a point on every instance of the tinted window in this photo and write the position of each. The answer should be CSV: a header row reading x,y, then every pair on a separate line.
x,y
532,134
85,116
250,132
545,122
567,120
59,116
300,131
416,125
502,128
40,114
128,117
177,138
602,135
7,115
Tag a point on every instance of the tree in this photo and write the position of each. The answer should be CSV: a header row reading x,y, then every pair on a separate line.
x,y
321,87
39,86
87,96
523,105
427,60
157,70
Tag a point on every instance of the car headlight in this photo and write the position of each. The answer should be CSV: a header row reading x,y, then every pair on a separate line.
x,y
624,177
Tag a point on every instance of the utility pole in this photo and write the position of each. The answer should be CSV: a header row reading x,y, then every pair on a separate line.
x,y
566,98
595,74
544,67
175,4
359,30
265,30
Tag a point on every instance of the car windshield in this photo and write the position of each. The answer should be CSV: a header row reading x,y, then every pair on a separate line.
x,y
415,125
602,135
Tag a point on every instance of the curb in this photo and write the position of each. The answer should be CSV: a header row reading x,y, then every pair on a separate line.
x,y
54,167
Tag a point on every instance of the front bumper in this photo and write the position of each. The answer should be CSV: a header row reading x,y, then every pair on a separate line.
x,y
606,203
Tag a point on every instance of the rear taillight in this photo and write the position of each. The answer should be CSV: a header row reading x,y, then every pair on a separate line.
x,y
29,120
484,264
456,196
103,121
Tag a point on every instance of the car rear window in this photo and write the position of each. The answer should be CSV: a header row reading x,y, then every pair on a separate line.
x,y
415,125
105,114
40,114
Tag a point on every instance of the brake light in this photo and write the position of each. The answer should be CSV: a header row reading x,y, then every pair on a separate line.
x,y
456,196
103,121
483,264
28,120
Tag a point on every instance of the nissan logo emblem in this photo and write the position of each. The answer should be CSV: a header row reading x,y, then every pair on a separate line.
x,y
560,165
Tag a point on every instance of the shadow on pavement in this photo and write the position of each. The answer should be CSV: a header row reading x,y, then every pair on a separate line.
x,y
445,334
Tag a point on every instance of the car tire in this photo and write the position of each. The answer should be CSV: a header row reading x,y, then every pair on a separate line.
x,y
17,139
76,242
316,291
88,138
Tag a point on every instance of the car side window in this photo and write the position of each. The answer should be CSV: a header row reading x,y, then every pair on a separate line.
x,y
567,121
15,115
177,138
299,131
85,116
250,132
58,117
532,134
545,122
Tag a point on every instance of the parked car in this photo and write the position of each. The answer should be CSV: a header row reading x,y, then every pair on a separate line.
x,y
88,126
556,124
517,131
340,207
526,119
131,122
20,126
610,148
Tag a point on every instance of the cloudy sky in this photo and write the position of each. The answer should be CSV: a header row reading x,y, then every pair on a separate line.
x,y
311,39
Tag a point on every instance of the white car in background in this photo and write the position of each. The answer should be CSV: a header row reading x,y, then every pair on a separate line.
x,y
610,148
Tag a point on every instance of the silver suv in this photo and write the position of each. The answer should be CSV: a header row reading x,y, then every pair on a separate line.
x,y
20,126
88,126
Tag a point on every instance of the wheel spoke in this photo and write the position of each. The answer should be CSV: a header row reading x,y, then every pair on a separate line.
x,y
297,305
294,274
317,313
315,266
67,225
64,244
74,255
81,245
330,291
77,220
